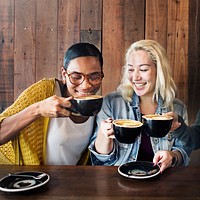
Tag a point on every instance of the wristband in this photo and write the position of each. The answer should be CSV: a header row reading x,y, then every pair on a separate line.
x,y
174,160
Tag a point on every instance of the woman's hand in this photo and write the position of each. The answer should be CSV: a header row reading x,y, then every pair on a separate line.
x,y
55,106
164,159
175,122
104,140
107,129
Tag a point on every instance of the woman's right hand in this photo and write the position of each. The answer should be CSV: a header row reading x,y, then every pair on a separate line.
x,y
55,106
104,140
107,129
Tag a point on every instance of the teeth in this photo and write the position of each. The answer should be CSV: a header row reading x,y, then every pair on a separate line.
x,y
139,84
84,94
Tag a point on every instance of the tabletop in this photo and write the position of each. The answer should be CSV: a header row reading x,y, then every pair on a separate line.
x,y
105,183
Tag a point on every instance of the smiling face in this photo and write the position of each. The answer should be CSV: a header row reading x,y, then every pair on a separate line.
x,y
141,73
85,65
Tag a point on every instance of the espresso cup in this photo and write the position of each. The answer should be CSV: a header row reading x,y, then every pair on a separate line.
x,y
157,125
126,130
86,105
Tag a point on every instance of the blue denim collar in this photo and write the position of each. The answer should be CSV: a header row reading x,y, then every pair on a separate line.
x,y
135,104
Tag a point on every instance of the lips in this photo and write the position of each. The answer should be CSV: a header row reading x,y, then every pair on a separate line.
x,y
139,85
80,93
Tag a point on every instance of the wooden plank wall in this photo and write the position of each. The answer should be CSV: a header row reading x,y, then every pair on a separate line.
x,y
6,53
35,34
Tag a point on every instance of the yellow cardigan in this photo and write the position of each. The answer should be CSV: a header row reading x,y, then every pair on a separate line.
x,y
29,147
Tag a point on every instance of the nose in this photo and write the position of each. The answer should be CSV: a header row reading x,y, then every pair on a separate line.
x,y
136,75
85,84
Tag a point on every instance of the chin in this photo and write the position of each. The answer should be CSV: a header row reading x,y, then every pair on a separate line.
x,y
140,93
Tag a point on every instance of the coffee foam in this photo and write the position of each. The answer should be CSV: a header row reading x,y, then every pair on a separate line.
x,y
89,97
157,117
127,123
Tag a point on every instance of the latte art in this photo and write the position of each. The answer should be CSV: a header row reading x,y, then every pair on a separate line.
x,y
127,123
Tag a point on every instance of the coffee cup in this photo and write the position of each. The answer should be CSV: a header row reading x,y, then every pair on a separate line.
x,y
126,130
86,105
157,125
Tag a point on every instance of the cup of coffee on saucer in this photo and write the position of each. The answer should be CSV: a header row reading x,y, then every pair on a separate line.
x,y
86,105
156,125
126,130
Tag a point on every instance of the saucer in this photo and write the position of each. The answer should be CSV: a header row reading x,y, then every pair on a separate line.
x,y
11,183
139,170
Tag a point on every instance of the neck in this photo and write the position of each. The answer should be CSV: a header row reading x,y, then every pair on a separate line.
x,y
147,106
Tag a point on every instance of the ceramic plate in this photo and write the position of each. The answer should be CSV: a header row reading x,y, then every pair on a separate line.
x,y
139,170
17,184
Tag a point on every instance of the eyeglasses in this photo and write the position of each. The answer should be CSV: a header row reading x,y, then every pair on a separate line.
x,y
77,78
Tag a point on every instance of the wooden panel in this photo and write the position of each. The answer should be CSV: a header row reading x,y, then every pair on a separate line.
x,y
24,57
177,45
113,43
156,21
46,42
68,27
93,37
91,14
194,59
122,25
6,53
134,21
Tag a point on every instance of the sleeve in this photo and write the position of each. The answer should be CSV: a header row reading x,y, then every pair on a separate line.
x,y
96,158
189,135
181,140
11,151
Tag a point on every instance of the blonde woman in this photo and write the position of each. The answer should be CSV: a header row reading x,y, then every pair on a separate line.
x,y
147,87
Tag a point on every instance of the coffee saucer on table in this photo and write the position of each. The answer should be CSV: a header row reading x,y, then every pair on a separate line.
x,y
139,170
23,181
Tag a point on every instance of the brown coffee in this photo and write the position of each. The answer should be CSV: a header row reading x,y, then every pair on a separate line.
x,y
157,117
88,97
127,123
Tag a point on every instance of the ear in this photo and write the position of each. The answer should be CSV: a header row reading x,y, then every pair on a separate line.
x,y
63,73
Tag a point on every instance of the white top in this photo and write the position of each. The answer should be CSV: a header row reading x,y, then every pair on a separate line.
x,y
67,140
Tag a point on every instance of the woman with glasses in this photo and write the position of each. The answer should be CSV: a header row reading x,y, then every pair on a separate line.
x,y
39,128
147,87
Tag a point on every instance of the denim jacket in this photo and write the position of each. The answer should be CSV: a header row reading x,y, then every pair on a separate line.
x,y
115,107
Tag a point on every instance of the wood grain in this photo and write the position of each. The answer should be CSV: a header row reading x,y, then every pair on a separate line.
x,y
6,53
68,27
46,38
194,60
177,45
25,42
156,21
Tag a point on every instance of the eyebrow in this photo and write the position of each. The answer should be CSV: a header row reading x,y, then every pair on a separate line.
x,y
139,65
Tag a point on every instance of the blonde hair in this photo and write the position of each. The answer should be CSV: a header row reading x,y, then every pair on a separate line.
x,y
165,85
